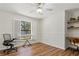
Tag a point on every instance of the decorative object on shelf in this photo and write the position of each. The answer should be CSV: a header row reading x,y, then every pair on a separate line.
x,y
72,19
70,27
78,18
68,22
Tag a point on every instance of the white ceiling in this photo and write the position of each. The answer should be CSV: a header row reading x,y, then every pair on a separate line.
x,y
29,9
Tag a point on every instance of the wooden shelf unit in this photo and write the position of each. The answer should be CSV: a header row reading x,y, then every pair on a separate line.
x,y
69,22
73,28
72,21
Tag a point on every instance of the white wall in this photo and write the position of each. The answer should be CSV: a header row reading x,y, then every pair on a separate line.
x,y
75,13
54,29
6,25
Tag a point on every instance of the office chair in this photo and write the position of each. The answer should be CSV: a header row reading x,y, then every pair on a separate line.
x,y
8,42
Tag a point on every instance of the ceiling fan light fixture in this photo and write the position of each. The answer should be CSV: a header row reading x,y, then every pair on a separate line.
x,y
39,10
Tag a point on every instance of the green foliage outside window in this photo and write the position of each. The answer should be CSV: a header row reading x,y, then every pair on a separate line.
x,y
25,27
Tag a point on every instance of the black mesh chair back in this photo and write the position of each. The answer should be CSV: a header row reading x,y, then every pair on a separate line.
x,y
7,36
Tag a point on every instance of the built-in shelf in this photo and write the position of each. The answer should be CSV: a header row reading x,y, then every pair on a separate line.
x,y
73,27
25,30
72,21
70,37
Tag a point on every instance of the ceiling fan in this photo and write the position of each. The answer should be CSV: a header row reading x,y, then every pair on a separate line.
x,y
39,8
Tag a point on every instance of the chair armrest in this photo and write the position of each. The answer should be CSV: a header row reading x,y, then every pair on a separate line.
x,y
13,39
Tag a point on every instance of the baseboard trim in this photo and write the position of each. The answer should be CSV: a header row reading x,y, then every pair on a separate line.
x,y
53,45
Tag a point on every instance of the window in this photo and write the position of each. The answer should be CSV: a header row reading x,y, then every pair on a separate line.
x,y
25,28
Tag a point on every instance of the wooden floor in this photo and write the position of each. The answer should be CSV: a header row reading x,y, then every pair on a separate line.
x,y
40,49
